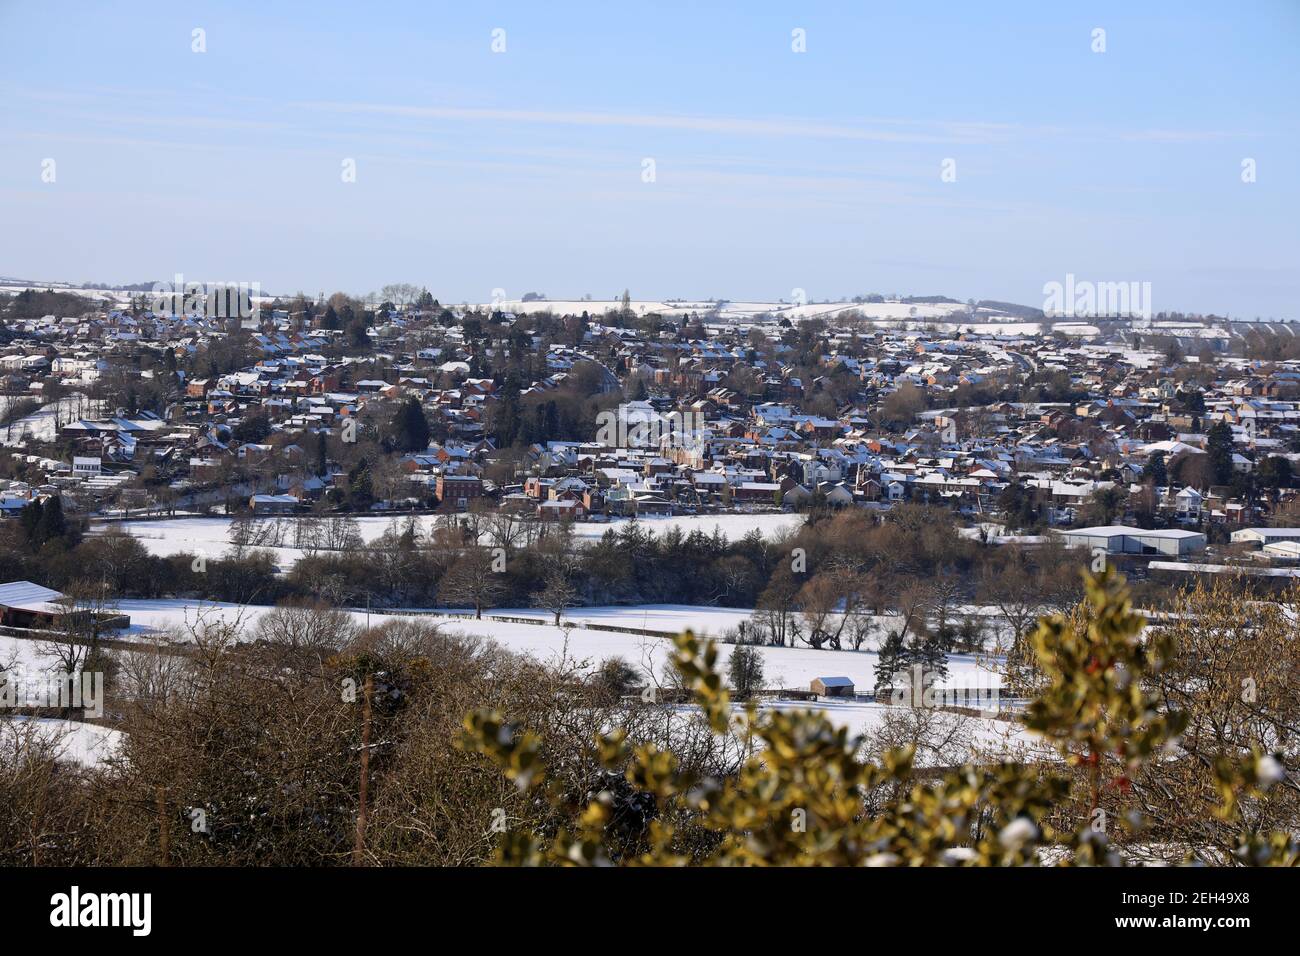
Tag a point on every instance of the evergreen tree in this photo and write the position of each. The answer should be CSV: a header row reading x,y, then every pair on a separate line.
x,y
321,454
552,421
30,518
410,429
53,521
930,654
358,337
253,428
1219,447
1194,402
890,660
360,487
1275,472
506,420
47,522
1155,469
745,670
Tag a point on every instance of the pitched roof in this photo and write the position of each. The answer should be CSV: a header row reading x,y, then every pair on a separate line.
x,y
26,596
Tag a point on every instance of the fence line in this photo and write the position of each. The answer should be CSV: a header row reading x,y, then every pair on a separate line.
x,y
111,643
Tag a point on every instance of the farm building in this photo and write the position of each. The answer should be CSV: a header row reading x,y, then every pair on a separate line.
x,y
28,605
1288,549
23,604
1120,539
1263,536
832,686
273,504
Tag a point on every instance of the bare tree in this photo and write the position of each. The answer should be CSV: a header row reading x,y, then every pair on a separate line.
x,y
824,601
503,530
83,616
472,578
1017,594
912,602
942,738
341,533
305,632
558,594
946,591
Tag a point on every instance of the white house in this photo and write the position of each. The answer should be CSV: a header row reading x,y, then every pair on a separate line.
x,y
87,467
1262,536
1188,503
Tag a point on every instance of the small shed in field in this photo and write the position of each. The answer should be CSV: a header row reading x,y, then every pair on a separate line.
x,y
832,686
24,604
30,606
273,504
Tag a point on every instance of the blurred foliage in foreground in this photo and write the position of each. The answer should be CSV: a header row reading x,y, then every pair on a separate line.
x,y
804,795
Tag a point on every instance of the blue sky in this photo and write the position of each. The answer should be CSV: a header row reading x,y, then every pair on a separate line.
x,y
774,170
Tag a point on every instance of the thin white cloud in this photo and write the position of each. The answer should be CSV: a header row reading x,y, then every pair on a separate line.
x,y
881,130
782,127
869,129
1178,135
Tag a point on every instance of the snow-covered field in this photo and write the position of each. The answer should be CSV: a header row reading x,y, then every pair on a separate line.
x,y
210,537
733,311
586,648
947,317
74,741
987,736
23,656
734,526
706,621
790,667
43,425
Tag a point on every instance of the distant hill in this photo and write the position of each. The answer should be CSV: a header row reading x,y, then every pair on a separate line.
x,y
34,283
33,304
929,300
131,287
48,284
1010,308
84,286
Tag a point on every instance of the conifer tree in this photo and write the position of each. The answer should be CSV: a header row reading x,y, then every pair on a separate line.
x,y
929,654
890,660
1219,447
30,518
410,429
